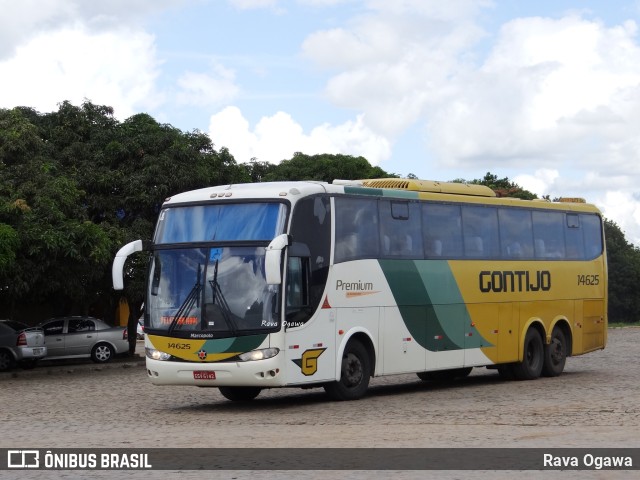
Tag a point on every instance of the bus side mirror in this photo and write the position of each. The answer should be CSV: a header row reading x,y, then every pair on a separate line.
x,y
273,259
117,275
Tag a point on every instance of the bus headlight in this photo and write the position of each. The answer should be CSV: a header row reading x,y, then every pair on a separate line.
x,y
156,354
261,354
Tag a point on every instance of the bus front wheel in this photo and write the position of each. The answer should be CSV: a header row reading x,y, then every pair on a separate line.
x,y
532,359
354,374
555,354
240,394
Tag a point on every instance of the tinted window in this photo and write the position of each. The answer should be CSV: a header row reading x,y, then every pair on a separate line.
x,y
516,233
356,229
400,229
480,232
592,231
54,328
308,257
548,234
442,228
573,237
81,325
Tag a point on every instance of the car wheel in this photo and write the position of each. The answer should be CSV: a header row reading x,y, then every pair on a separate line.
x,y
7,361
101,353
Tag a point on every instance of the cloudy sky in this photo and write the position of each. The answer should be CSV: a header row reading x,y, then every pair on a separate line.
x,y
546,93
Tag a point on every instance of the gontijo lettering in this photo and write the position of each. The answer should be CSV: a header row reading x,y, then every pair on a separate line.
x,y
514,281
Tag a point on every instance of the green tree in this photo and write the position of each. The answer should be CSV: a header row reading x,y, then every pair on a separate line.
x,y
503,187
75,185
623,261
324,167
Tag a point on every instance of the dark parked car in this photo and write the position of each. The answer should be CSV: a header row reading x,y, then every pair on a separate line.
x,y
77,337
20,344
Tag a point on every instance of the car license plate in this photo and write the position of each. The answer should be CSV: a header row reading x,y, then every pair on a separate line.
x,y
37,351
204,375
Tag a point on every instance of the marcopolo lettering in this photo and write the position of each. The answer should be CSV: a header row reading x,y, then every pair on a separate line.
x,y
505,281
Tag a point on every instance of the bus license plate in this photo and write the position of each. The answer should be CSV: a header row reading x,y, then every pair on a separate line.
x,y
204,375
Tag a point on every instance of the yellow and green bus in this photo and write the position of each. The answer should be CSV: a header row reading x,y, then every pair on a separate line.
x,y
304,284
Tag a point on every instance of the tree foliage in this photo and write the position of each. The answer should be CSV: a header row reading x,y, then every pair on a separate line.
x,y
623,261
77,184
324,167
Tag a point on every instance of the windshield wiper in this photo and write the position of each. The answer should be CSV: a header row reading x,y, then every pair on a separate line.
x,y
192,299
227,315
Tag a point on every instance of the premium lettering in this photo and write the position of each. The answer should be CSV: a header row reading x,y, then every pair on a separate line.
x,y
359,286
505,281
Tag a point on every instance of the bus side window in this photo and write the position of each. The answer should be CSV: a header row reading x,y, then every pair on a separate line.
x,y
480,230
442,228
573,237
297,283
592,230
400,227
548,231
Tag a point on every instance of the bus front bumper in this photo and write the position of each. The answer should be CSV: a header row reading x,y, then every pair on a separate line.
x,y
260,373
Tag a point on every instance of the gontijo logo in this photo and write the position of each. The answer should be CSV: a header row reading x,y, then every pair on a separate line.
x,y
355,289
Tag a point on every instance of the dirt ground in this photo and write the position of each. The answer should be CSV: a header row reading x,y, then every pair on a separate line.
x,y
594,404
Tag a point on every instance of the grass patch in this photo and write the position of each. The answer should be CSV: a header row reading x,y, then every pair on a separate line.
x,y
621,324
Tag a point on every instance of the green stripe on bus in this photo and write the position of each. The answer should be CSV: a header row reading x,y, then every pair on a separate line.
x,y
431,304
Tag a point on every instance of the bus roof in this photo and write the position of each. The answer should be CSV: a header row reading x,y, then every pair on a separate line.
x,y
388,187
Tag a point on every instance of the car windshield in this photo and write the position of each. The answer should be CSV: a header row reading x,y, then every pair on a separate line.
x,y
210,292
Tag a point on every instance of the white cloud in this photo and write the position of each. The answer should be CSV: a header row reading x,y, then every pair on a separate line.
x,y
550,89
279,136
395,60
112,68
207,88
23,20
624,208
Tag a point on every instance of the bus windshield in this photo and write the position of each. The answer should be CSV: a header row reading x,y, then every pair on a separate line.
x,y
221,222
210,292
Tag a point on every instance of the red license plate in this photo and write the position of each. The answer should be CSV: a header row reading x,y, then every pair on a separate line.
x,y
204,375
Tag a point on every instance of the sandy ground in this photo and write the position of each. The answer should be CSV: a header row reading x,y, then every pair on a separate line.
x,y
594,404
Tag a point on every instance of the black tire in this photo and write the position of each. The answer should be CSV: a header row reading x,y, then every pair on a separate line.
x,y
240,394
444,375
102,353
530,367
354,374
555,354
7,362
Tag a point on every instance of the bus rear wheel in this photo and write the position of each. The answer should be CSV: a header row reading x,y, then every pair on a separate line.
x,y
240,394
533,357
354,374
555,354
